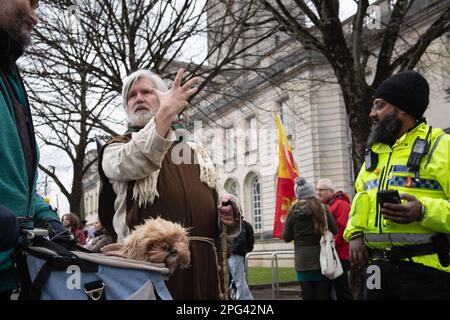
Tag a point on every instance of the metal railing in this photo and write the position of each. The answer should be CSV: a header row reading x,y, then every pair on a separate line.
x,y
274,265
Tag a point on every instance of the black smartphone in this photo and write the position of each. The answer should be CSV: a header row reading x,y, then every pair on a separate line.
x,y
390,196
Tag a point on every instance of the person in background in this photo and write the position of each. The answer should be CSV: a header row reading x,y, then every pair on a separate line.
x,y
71,222
89,235
101,238
240,246
305,224
84,228
339,205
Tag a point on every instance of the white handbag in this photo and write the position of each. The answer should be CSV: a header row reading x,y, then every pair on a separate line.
x,y
329,260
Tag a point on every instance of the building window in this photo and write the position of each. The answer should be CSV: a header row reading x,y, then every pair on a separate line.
x,y
91,207
251,141
210,148
86,204
256,204
252,135
230,146
286,119
277,40
96,203
232,188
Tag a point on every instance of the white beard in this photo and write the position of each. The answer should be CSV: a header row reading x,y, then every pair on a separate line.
x,y
140,119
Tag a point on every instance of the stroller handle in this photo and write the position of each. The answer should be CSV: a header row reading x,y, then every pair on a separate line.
x,y
36,232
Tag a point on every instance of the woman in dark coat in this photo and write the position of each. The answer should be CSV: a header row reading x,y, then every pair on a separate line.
x,y
101,238
305,224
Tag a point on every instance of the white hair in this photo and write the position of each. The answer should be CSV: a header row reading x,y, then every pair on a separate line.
x,y
135,76
328,183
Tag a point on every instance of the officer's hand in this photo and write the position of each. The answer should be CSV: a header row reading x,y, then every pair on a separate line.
x,y
226,212
359,256
403,213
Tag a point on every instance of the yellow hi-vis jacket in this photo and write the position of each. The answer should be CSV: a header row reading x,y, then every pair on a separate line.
x,y
432,189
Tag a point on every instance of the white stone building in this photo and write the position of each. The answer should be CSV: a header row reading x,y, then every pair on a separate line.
x,y
91,189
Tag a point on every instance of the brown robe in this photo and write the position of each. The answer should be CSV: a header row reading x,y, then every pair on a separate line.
x,y
185,199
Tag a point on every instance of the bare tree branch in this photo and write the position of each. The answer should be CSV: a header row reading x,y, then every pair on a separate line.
x,y
410,58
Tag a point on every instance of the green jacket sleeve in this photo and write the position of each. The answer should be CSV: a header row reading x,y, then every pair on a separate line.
x,y
437,215
42,211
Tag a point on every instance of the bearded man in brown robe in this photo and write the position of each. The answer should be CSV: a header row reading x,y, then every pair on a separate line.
x,y
150,172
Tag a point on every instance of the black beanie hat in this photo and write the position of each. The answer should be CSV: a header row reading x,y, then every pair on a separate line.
x,y
407,90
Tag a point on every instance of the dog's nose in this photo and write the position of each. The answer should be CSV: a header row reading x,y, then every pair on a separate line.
x,y
171,250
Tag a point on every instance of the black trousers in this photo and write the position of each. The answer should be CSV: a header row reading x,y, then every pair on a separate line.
x,y
340,284
403,280
316,290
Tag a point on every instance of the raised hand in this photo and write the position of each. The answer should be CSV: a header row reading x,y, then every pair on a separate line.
x,y
172,102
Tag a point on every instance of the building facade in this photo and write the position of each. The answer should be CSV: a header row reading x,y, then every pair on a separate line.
x,y
91,189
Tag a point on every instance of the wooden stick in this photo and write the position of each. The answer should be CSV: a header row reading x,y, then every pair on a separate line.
x,y
224,248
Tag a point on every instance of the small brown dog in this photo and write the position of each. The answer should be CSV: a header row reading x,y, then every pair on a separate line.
x,y
157,241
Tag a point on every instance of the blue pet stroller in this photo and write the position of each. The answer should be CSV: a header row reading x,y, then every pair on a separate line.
x,y
49,271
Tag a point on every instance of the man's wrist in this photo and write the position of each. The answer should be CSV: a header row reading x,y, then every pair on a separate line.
x,y
356,236
162,125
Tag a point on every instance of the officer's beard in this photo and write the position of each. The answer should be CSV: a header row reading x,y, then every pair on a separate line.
x,y
386,130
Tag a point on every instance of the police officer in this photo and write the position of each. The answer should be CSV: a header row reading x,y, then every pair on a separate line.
x,y
405,243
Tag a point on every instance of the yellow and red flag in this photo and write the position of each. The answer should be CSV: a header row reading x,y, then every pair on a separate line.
x,y
287,172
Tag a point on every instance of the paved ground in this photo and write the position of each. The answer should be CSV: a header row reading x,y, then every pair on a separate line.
x,y
290,291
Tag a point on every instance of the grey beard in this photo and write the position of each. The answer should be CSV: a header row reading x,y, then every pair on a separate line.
x,y
386,131
140,119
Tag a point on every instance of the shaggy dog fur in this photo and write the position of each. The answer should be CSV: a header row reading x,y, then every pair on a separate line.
x,y
156,241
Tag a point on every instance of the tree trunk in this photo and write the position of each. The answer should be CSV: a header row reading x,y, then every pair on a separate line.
x,y
77,184
357,99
